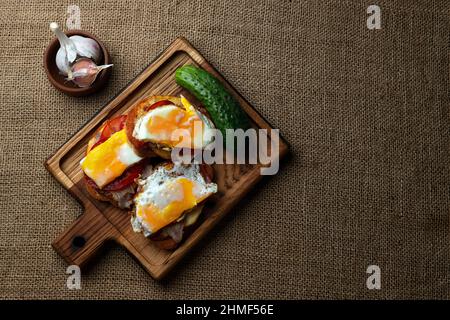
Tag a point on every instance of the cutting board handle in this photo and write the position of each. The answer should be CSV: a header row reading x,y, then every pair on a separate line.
x,y
83,239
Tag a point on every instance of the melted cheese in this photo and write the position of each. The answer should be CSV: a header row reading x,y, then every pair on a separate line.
x,y
110,159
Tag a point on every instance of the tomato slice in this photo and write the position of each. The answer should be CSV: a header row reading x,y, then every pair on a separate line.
x,y
111,126
126,178
158,104
118,123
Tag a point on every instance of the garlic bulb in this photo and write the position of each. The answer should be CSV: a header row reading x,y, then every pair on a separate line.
x,y
73,48
84,72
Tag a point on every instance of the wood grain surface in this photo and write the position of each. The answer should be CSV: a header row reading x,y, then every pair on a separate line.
x,y
102,222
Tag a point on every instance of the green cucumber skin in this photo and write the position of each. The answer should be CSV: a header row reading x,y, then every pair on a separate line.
x,y
225,111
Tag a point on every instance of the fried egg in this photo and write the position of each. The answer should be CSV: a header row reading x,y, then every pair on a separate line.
x,y
166,194
110,159
172,126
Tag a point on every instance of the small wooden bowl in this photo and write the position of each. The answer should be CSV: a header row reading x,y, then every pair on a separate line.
x,y
59,81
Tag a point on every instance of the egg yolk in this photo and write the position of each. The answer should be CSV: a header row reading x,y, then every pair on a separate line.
x,y
163,126
181,192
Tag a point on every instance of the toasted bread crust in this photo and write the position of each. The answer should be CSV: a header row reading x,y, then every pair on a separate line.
x,y
95,193
101,195
147,149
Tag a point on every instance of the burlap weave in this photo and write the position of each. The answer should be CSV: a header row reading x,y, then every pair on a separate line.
x,y
365,113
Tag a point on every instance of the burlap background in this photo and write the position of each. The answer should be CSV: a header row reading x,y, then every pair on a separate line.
x,y
365,112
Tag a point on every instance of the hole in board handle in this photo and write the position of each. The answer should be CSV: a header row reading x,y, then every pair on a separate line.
x,y
78,242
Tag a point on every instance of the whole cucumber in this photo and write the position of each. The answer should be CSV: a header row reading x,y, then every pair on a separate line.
x,y
225,111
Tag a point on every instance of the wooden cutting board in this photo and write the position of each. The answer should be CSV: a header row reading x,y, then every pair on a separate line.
x,y
102,222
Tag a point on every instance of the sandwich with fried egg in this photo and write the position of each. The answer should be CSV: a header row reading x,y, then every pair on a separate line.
x,y
111,164
157,124
169,201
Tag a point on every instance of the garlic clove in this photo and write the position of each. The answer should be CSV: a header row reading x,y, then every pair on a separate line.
x,y
67,45
67,51
62,63
85,71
